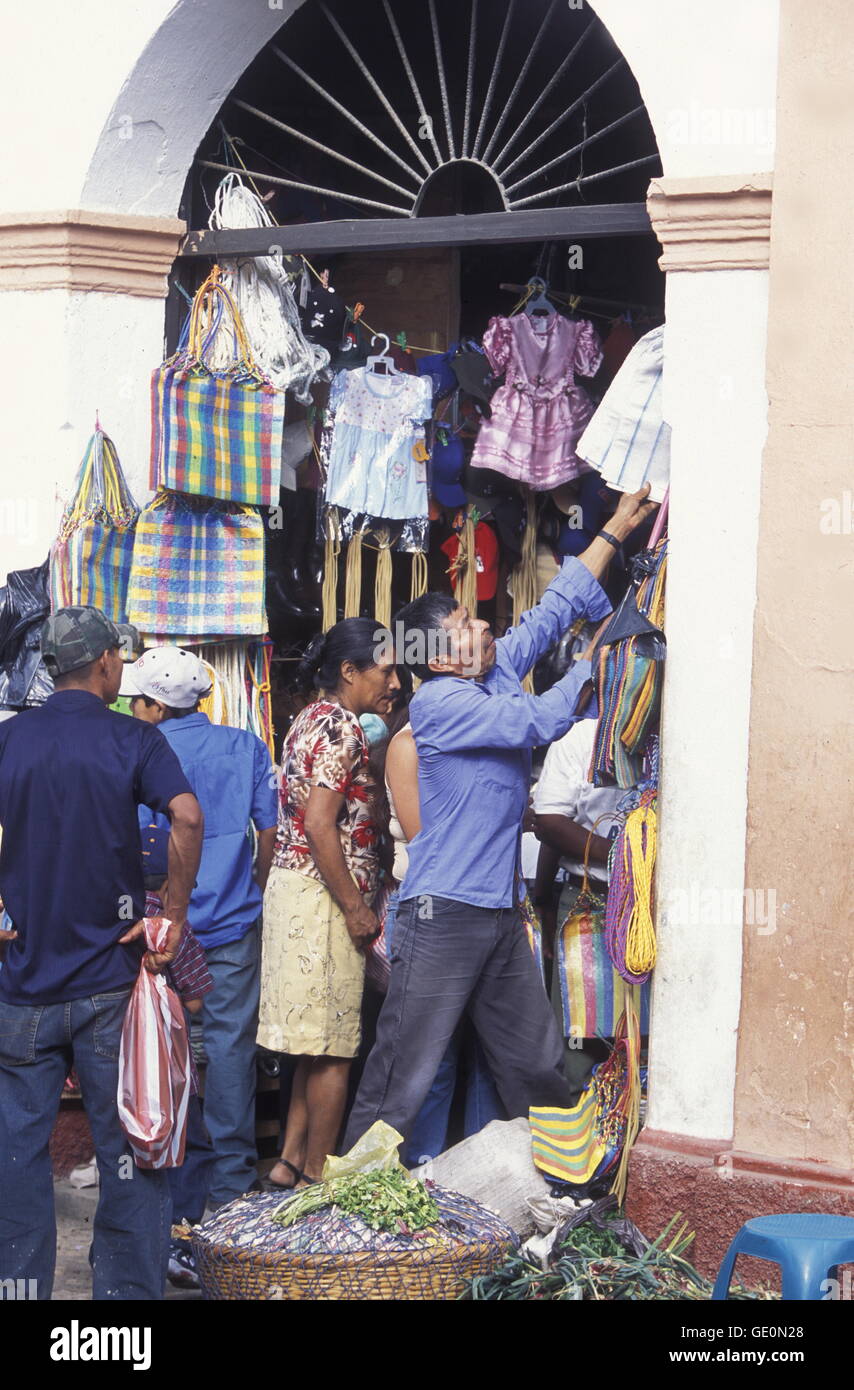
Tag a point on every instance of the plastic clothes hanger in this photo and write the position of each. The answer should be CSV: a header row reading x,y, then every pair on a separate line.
x,y
538,306
373,363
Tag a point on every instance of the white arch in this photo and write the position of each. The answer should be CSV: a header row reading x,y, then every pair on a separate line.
x,y
692,69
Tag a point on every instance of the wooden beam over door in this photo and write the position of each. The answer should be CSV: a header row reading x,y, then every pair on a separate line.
x,y
401,234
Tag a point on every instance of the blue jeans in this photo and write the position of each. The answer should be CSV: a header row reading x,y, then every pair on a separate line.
x,y
229,1024
190,1183
482,1102
130,1236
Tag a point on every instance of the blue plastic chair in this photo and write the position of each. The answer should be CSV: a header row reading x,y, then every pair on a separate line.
x,y
807,1245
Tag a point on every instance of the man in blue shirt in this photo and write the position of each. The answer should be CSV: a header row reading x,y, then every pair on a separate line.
x,y
72,773
232,775
458,944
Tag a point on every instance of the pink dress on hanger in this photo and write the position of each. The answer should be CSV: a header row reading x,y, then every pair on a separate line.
x,y
539,414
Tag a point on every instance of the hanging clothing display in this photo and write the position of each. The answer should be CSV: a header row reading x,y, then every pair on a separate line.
x,y
262,290
540,413
377,420
628,439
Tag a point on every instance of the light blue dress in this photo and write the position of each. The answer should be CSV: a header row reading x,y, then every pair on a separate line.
x,y
377,419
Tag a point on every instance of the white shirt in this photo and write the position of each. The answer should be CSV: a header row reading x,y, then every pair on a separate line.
x,y
564,790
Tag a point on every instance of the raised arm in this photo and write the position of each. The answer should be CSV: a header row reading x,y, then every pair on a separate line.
x,y
575,592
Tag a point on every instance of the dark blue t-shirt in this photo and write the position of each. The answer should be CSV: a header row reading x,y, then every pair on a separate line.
x,y
72,774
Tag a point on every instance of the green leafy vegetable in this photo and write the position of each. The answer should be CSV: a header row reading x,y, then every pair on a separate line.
x,y
386,1199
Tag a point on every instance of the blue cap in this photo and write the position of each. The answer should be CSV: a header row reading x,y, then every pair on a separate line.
x,y
447,471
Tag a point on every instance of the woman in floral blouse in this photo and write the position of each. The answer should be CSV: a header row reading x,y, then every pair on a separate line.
x,y
317,918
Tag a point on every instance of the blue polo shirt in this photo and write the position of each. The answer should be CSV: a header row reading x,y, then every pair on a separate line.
x,y
72,774
233,778
474,741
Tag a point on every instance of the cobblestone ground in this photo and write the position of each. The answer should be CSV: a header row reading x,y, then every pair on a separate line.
x,y
73,1281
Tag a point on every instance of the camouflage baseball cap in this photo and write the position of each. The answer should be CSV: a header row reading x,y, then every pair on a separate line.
x,y
72,637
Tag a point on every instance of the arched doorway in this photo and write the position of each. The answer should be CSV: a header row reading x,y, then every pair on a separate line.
x,y
173,93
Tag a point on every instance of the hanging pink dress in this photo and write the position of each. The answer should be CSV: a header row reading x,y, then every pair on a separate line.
x,y
539,414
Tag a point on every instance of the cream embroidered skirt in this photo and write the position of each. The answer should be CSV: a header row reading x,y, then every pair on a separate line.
x,y
312,976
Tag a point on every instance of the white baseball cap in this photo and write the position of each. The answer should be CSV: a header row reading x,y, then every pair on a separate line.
x,y
171,675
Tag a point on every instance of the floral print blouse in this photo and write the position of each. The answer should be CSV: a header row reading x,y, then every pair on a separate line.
x,y
327,748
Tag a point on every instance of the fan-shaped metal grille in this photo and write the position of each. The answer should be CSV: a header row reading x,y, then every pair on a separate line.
x,y
528,92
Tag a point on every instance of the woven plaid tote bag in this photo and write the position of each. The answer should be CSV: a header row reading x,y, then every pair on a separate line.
x,y
216,431
198,568
90,560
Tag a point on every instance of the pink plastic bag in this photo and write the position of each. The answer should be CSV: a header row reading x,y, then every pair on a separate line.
x,y
154,1065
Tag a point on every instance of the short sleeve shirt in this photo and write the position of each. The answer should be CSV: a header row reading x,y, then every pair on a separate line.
x,y
72,774
232,777
327,748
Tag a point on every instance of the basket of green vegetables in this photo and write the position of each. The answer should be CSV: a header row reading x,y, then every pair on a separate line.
x,y
367,1230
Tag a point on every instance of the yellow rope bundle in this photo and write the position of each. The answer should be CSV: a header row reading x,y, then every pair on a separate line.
x,y
639,847
353,577
525,575
466,591
419,575
331,551
382,582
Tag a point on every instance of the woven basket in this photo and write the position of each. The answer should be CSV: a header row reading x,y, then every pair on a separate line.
x,y
241,1254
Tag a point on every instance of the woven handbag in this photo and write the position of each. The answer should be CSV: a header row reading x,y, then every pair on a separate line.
x,y
198,568
628,669
216,432
592,992
587,1141
533,927
90,560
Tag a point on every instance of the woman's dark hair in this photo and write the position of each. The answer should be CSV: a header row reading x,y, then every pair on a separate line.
x,y
416,628
360,640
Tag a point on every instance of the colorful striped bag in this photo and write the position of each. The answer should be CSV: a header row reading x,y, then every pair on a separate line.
x,y
216,432
592,992
628,674
90,560
154,1065
533,926
596,1135
198,568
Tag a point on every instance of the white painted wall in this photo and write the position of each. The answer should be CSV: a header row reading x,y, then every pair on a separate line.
x,y
75,354
708,76
64,65
715,399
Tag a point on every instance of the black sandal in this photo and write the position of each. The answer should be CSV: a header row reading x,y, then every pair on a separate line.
x,y
271,1185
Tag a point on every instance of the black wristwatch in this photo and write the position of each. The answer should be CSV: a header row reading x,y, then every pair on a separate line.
x,y
612,540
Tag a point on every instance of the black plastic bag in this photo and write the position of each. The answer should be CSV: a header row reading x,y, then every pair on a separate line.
x,y
24,605
623,1230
